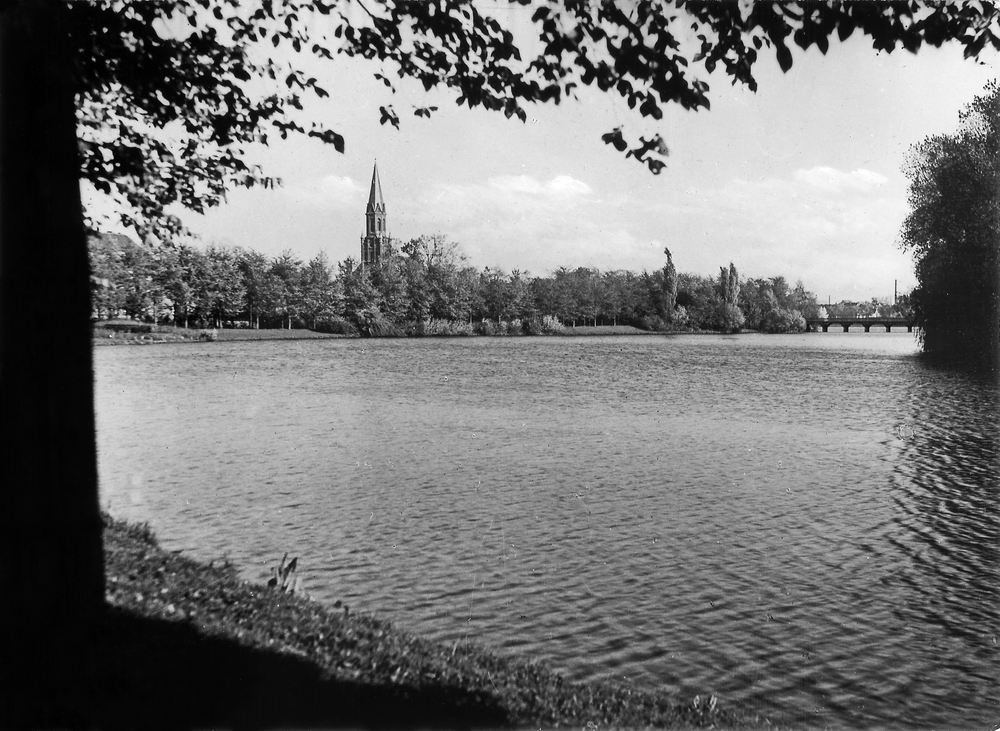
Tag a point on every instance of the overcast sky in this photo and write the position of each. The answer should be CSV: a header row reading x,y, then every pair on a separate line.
x,y
801,179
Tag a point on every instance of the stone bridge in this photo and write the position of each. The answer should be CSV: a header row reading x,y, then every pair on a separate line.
x,y
816,323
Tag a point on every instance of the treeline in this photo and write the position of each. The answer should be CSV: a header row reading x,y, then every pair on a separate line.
x,y
423,287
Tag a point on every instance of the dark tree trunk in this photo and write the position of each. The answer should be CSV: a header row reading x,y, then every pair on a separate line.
x,y
51,568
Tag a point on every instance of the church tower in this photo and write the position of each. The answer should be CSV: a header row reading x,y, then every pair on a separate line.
x,y
375,243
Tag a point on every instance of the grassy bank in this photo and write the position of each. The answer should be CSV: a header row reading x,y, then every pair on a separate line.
x,y
606,330
126,333
134,333
204,648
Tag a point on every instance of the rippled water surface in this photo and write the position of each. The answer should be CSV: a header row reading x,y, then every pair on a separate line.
x,y
806,526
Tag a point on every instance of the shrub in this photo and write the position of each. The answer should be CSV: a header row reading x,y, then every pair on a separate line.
x,y
514,327
209,335
486,327
781,320
125,326
552,326
653,323
335,326
507,327
380,327
439,327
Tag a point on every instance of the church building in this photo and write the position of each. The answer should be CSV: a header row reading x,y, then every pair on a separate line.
x,y
375,243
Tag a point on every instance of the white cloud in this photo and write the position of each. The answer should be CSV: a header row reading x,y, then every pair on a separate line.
x,y
512,194
565,186
835,181
822,225
331,191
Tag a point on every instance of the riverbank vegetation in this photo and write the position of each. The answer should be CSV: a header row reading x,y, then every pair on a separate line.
x,y
423,287
953,231
205,648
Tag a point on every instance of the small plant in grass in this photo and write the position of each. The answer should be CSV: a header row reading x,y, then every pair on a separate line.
x,y
282,577
208,335
703,710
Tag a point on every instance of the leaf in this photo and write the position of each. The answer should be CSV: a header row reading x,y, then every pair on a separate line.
x,y
784,57
615,138
845,29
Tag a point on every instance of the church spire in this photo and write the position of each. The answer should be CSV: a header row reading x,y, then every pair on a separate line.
x,y
375,202
375,243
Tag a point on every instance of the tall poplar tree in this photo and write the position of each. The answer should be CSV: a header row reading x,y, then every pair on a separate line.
x,y
669,287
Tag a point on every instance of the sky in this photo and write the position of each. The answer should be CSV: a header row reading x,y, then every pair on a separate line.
x,y
801,179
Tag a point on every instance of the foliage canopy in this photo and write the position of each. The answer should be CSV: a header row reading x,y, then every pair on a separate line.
x,y
953,231
171,93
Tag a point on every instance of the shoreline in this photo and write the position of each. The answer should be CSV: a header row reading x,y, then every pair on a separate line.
x,y
168,334
364,671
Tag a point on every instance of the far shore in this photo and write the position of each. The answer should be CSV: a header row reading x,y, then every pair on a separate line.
x,y
170,334
199,647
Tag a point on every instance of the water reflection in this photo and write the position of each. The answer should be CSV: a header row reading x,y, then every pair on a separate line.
x,y
946,487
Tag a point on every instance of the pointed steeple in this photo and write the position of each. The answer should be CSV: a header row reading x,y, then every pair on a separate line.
x,y
375,202
375,243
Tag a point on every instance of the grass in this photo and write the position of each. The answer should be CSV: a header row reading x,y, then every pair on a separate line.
x,y
203,648
606,330
134,333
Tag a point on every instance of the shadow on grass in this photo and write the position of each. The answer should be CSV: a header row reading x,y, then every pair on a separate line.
x,y
154,674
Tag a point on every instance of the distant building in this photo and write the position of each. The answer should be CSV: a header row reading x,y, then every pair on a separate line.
x,y
375,243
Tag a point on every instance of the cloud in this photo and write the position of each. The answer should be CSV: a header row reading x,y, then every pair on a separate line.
x,y
835,181
822,224
331,191
510,194
562,187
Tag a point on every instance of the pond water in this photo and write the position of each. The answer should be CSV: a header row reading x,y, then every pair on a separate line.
x,y
806,526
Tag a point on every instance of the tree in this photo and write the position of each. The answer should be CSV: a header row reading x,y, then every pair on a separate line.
x,y
804,301
360,296
697,295
105,255
391,287
52,566
769,306
669,287
221,290
953,232
317,290
254,271
127,76
285,281
180,266
727,316
414,274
